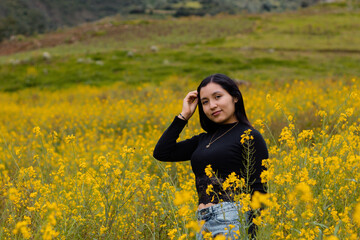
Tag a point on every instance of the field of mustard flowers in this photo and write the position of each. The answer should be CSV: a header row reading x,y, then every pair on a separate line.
x,y
78,125
77,163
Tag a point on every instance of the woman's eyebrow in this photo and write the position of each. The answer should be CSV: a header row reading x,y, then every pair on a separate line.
x,y
216,92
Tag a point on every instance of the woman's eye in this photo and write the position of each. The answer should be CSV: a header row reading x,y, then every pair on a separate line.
x,y
204,102
218,96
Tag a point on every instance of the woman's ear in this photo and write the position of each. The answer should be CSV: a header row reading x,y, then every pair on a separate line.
x,y
235,100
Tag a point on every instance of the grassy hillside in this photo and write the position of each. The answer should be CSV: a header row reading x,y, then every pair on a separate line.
x,y
321,42
28,17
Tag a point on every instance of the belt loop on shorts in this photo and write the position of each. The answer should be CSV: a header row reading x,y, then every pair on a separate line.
x,y
204,211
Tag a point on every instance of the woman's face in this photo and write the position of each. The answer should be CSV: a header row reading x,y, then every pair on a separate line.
x,y
218,104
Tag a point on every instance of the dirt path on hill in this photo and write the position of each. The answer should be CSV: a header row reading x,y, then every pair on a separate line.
x,y
83,33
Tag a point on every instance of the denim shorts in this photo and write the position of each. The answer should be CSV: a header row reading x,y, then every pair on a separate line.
x,y
218,218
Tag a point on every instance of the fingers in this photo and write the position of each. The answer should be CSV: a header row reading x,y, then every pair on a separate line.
x,y
189,104
192,96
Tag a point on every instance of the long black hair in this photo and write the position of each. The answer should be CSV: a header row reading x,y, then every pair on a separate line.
x,y
230,86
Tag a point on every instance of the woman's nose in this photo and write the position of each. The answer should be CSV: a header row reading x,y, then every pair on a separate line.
x,y
212,105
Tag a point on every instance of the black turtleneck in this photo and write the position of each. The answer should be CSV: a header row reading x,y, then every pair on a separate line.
x,y
225,155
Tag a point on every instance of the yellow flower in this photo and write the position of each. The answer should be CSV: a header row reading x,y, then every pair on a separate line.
x,y
233,181
184,211
305,135
55,135
70,138
182,237
304,191
14,195
287,136
356,215
268,98
354,95
342,118
23,229
257,220
209,171
195,225
209,189
231,226
307,214
171,233
331,238
220,237
258,199
246,136
103,229
182,197
49,232
259,122
277,106
207,235
321,113
37,132
349,112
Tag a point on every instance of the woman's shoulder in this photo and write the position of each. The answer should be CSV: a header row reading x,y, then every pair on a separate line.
x,y
198,136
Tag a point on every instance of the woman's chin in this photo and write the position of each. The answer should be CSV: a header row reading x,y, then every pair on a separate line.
x,y
217,120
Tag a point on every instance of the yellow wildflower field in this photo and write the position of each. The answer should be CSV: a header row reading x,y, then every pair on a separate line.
x,y
77,163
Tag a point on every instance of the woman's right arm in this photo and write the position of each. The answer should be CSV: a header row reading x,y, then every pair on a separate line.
x,y
167,149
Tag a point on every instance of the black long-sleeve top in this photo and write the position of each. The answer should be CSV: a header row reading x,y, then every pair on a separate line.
x,y
225,155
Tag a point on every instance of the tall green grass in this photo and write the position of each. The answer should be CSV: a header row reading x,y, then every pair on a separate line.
x,y
311,44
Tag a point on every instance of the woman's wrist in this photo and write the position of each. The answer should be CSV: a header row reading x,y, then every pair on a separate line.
x,y
181,116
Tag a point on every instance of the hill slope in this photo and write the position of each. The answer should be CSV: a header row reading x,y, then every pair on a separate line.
x,y
320,42
27,17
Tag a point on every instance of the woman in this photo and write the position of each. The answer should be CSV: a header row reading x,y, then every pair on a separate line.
x,y
223,117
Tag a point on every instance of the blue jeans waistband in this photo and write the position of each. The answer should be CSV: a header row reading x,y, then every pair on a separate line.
x,y
217,208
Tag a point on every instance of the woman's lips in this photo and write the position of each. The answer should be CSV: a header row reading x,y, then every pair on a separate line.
x,y
216,113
